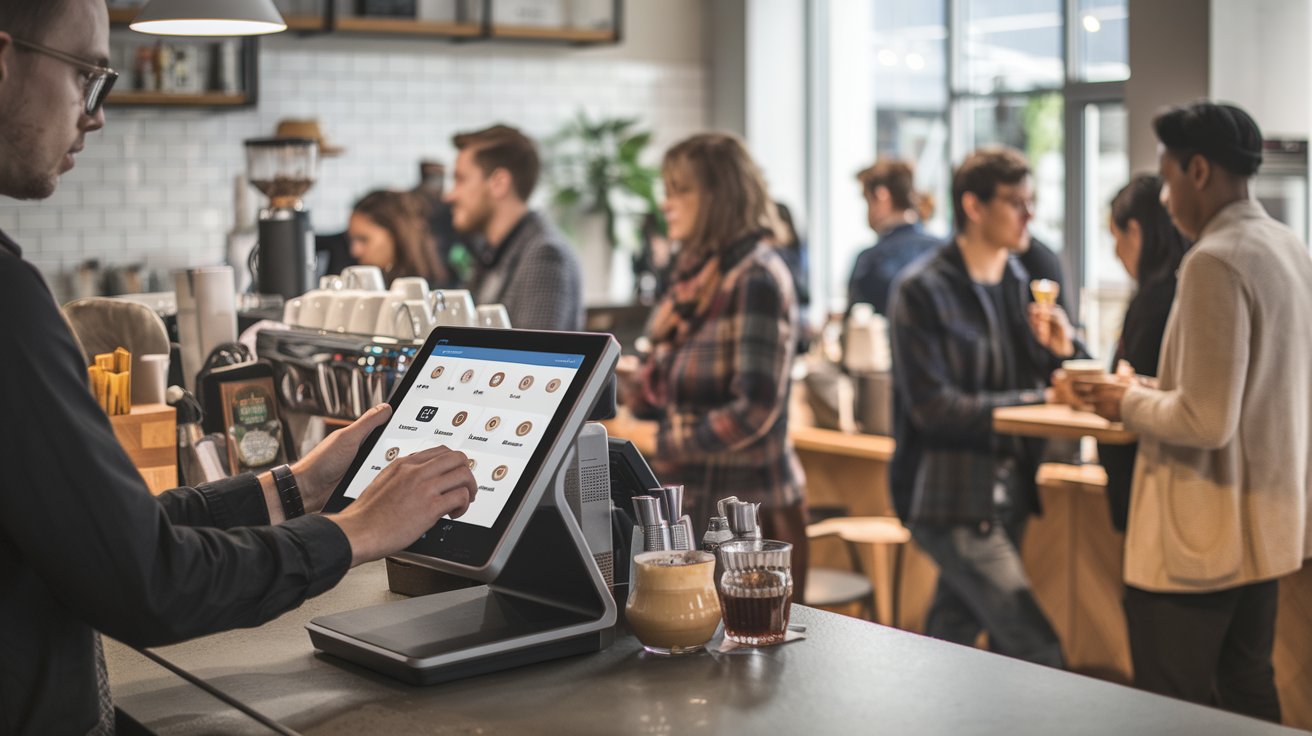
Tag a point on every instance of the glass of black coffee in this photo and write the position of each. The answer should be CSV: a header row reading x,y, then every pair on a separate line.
x,y
756,590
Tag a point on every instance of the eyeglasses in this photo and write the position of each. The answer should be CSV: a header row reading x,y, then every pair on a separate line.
x,y
100,79
1020,204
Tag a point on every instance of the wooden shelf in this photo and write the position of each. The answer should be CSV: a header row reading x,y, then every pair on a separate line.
x,y
407,26
305,23
539,33
122,16
202,99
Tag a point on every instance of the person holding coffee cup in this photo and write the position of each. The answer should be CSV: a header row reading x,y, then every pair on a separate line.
x,y
1222,486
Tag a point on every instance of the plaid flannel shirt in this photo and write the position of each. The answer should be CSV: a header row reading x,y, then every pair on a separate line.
x,y
724,427
946,339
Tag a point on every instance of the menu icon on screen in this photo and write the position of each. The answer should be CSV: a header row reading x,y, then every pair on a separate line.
x,y
426,414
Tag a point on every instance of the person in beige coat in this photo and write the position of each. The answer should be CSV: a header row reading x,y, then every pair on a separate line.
x,y
1220,505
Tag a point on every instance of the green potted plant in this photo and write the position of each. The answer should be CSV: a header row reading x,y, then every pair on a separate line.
x,y
597,169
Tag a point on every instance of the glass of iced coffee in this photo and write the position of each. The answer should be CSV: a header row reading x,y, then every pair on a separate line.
x,y
756,590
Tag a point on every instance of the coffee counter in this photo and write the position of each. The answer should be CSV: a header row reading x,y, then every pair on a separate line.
x,y
849,676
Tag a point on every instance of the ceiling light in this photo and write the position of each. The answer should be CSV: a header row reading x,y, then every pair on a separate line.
x,y
1092,24
888,57
915,62
209,18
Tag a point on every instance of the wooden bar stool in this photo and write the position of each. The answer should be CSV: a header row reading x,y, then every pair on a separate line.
x,y
827,587
855,531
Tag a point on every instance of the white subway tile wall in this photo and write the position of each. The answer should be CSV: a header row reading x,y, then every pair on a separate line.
x,y
156,185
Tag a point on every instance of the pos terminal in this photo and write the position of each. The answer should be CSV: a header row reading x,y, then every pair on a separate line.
x,y
514,401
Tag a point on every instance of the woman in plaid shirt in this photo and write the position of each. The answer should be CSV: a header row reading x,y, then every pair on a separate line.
x,y
723,340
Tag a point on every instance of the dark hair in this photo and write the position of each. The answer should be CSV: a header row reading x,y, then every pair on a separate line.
x,y
29,19
788,236
1163,246
735,202
898,177
403,216
504,147
981,173
1223,134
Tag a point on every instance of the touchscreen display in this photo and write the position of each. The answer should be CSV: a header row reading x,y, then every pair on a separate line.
x,y
492,404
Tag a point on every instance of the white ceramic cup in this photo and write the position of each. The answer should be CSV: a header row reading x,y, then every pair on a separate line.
x,y
314,308
341,305
364,317
291,311
386,313
493,315
413,287
458,308
411,320
364,278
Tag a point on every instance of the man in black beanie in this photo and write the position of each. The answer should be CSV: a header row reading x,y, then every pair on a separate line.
x,y
1220,508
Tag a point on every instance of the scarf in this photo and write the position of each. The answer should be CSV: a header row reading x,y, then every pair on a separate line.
x,y
687,304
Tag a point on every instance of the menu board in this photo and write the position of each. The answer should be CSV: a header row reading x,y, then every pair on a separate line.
x,y
492,404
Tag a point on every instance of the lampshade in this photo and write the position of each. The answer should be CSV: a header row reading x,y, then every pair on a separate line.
x,y
209,18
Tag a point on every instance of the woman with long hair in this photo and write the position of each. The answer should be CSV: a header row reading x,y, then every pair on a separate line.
x,y
1150,249
723,337
390,230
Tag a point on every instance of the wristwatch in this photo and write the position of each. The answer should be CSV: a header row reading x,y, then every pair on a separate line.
x,y
288,493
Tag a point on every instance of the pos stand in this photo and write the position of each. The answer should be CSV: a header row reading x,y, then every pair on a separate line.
x,y
549,601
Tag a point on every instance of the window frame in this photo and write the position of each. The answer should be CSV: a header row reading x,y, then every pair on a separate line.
x,y
1076,95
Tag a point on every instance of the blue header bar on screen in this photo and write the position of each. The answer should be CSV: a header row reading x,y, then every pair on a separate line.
x,y
526,357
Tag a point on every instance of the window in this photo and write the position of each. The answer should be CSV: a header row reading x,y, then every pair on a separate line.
x,y
948,76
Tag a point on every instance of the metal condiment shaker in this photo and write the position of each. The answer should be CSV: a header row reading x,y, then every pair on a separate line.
x,y
655,532
743,521
717,533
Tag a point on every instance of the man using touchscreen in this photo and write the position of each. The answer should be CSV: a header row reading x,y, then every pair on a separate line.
x,y
84,547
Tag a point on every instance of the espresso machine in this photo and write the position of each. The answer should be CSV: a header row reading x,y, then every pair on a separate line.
x,y
284,170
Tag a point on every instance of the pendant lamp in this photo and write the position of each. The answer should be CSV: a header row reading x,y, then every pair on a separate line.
x,y
209,18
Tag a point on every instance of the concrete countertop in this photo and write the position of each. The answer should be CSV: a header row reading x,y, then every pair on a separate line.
x,y
848,676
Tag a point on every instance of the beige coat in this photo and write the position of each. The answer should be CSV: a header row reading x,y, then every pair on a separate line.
x,y
1221,487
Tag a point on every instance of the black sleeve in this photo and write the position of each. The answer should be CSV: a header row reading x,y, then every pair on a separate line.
x,y
76,511
235,501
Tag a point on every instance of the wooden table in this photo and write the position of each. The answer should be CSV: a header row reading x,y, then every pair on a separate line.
x,y
1058,420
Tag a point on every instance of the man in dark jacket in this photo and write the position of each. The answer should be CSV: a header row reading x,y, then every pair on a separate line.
x,y
524,262
84,547
965,341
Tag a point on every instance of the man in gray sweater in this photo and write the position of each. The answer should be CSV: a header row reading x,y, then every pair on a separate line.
x,y
1220,507
525,263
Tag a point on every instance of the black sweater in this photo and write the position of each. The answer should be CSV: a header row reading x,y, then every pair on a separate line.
x,y
84,547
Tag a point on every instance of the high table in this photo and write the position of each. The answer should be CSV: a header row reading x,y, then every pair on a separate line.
x,y
848,676
1058,420
1074,558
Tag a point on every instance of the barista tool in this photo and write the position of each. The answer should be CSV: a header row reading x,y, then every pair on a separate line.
x,y
681,534
651,519
284,170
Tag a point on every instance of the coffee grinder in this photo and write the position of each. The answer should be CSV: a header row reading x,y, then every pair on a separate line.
x,y
284,170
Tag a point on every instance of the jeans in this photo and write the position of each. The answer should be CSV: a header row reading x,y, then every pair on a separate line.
x,y
982,587
1209,648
